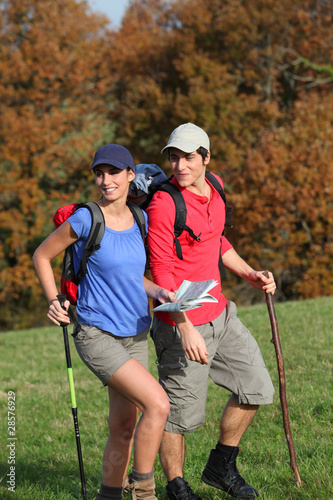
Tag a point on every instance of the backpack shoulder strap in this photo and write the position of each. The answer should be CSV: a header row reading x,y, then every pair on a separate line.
x,y
180,218
95,235
179,202
215,183
139,218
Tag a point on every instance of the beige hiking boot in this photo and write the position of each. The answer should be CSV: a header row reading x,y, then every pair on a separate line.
x,y
140,490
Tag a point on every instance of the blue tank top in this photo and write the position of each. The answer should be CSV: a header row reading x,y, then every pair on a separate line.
x,y
111,296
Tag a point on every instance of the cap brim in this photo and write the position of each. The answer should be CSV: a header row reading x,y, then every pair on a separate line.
x,y
186,147
114,163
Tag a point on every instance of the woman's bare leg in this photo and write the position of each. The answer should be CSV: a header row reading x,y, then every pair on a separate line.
x,y
132,387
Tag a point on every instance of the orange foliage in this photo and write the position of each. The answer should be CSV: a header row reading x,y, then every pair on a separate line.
x,y
51,76
245,72
284,202
256,75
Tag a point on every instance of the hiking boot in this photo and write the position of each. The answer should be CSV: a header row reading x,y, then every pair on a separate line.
x,y
140,490
100,497
224,475
181,490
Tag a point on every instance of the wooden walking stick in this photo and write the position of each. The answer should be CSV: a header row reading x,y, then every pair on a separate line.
x,y
282,382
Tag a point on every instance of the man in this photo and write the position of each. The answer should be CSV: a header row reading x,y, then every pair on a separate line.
x,y
207,341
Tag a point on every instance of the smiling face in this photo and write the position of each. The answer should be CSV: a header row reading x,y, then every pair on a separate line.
x,y
188,168
112,182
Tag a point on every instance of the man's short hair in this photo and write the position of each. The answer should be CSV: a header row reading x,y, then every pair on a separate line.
x,y
203,152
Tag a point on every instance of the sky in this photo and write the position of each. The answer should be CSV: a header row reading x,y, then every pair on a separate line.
x,y
114,9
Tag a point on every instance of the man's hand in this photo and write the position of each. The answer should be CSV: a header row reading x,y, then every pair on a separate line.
x,y
237,265
258,280
193,344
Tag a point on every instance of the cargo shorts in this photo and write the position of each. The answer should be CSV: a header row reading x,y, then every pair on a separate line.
x,y
104,353
235,363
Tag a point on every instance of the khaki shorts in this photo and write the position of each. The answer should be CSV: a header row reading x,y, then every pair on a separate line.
x,y
235,363
104,353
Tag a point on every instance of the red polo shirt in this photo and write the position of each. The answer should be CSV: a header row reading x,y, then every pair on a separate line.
x,y
200,259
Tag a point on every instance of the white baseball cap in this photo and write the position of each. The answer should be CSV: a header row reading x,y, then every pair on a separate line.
x,y
188,138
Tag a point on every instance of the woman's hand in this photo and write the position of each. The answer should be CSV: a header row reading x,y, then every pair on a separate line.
x,y
164,295
57,314
157,292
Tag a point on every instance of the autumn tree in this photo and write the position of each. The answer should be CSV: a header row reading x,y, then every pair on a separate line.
x,y
52,82
222,63
257,76
287,184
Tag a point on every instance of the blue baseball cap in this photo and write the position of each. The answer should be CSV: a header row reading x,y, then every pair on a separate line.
x,y
113,154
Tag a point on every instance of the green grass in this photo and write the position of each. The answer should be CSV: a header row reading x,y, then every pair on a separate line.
x,y
33,366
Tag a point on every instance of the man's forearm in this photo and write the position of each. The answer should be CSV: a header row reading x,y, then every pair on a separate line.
x,y
236,264
180,319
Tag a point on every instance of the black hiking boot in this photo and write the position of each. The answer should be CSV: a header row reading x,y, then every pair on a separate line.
x,y
224,475
179,489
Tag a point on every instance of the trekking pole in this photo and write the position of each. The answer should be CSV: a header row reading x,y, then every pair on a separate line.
x,y
62,299
282,382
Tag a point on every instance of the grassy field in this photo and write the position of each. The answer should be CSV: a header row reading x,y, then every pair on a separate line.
x,y
33,367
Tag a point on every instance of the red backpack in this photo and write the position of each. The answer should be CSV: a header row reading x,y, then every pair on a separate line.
x,y
69,279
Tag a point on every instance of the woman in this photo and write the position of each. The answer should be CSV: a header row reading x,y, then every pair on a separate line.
x,y
113,320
